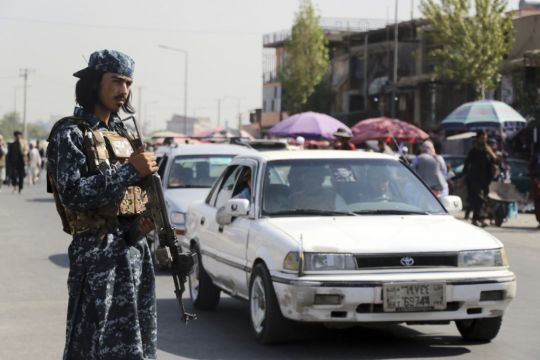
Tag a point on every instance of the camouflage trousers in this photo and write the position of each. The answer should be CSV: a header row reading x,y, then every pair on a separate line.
x,y
112,306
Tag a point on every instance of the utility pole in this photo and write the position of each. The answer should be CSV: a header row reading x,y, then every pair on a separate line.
x,y
239,116
218,112
366,54
24,73
185,53
394,85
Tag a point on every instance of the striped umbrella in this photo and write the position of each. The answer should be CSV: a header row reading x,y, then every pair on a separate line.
x,y
483,114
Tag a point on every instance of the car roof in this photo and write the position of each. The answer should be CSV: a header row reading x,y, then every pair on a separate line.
x,y
208,149
316,154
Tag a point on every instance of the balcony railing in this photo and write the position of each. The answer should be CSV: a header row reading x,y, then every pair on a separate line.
x,y
329,25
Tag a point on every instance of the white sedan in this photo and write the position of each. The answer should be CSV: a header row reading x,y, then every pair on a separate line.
x,y
188,172
343,237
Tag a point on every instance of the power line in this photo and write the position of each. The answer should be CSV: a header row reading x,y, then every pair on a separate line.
x,y
126,28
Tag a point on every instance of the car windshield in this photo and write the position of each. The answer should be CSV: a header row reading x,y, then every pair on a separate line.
x,y
196,171
348,187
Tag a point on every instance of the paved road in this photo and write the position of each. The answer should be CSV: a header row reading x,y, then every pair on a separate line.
x,y
33,271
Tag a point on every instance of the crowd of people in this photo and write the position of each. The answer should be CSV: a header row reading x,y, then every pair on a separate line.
x,y
485,163
20,160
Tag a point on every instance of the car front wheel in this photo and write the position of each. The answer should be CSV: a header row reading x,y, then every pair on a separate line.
x,y
479,329
204,294
267,322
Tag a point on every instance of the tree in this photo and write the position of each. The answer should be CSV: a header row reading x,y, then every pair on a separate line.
x,y
306,59
9,123
12,121
472,46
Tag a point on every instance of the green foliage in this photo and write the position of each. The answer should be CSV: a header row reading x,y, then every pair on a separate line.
x,y
12,121
306,59
473,46
9,123
321,99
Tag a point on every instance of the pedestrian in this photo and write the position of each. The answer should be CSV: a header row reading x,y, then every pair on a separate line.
x,y
34,164
432,169
343,140
383,148
534,170
111,284
42,151
3,155
17,159
478,171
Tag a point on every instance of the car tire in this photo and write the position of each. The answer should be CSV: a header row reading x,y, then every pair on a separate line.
x,y
484,329
204,294
267,322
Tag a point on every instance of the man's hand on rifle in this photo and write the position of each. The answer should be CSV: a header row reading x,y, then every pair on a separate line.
x,y
144,162
146,225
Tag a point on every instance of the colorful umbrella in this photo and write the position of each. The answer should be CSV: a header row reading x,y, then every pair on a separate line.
x,y
310,125
483,114
383,128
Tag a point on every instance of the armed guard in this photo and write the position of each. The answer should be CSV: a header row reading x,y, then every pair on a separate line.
x,y
94,175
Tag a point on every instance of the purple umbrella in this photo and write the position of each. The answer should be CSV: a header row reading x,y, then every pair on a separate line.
x,y
310,125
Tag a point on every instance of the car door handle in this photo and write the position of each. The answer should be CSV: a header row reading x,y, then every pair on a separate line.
x,y
203,220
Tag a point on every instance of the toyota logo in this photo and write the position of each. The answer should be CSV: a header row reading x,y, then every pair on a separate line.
x,y
407,261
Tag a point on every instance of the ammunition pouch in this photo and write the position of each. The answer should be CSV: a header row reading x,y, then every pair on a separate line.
x,y
102,148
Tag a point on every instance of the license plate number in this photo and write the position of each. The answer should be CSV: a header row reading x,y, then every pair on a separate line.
x,y
414,297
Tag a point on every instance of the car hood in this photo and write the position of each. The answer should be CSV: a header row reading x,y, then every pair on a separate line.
x,y
180,199
385,233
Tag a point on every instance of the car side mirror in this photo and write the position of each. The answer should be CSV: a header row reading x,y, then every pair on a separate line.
x,y
232,208
452,203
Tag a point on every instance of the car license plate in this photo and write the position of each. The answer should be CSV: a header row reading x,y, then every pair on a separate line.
x,y
414,297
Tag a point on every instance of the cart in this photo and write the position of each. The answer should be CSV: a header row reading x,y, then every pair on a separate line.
x,y
502,202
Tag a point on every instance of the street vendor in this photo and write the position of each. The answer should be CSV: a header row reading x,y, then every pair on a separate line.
x,y
343,140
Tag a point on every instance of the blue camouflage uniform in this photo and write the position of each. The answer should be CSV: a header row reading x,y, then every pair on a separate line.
x,y
111,284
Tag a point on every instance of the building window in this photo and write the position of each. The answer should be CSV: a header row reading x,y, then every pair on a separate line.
x,y
273,105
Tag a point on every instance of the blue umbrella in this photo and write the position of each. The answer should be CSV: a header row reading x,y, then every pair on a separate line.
x,y
483,114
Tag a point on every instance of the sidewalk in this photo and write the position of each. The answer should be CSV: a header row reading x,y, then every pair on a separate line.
x,y
522,220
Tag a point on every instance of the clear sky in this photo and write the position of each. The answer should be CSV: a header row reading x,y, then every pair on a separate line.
x,y
223,38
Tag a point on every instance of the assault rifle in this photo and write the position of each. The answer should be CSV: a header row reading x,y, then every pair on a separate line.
x,y
169,251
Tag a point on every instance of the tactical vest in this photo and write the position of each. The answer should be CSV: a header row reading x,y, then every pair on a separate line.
x,y
104,149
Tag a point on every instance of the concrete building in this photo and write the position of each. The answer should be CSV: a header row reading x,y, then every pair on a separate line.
x,y
187,126
273,58
361,73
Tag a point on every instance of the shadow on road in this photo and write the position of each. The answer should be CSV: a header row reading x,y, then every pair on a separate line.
x,y
518,228
41,200
61,260
226,334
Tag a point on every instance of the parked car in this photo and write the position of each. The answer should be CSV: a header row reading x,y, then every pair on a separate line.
x,y
343,237
268,144
188,172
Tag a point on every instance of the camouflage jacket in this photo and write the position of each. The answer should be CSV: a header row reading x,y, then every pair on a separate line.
x,y
111,284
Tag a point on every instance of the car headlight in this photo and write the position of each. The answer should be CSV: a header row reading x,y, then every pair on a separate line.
x,y
495,257
320,262
178,218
